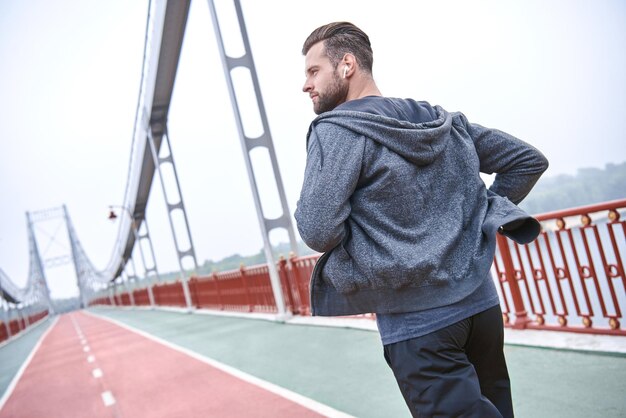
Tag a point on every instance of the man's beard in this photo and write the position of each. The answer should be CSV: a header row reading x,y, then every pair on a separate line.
x,y
333,97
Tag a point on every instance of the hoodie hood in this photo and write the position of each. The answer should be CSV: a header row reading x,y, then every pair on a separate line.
x,y
419,143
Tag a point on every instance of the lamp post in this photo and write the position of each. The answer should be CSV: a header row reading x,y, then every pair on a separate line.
x,y
112,217
133,225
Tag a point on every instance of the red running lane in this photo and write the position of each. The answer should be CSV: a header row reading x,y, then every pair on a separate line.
x,y
146,380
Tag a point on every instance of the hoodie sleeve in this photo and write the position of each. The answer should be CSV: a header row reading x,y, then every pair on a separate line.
x,y
517,164
333,164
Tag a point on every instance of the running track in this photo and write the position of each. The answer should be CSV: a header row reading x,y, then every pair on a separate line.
x,y
88,367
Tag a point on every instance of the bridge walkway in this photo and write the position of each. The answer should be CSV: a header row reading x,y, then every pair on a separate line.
x,y
168,363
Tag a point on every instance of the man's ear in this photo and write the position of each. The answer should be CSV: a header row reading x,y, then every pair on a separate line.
x,y
349,64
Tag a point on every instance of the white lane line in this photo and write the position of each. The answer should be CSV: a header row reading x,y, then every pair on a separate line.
x,y
270,387
91,359
97,373
107,398
83,342
86,349
79,332
19,373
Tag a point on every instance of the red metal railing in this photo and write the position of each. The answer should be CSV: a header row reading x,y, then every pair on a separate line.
x,y
104,300
205,292
571,278
20,324
16,326
141,297
37,317
169,294
245,289
296,274
3,332
125,299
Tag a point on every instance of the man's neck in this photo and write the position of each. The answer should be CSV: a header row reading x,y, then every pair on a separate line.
x,y
363,88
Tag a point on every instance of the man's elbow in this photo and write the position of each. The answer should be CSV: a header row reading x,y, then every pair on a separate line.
x,y
316,231
533,163
318,237
542,163
320,241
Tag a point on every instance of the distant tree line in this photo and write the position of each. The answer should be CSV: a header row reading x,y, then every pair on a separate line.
x,y
588,186
65,305
235,261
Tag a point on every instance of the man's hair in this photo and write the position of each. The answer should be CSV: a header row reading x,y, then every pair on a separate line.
x,y
341,38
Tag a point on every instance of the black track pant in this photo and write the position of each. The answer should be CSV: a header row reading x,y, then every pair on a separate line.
x,y
457,371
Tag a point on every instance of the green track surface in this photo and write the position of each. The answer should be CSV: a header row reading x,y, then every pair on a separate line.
x,y
15,352
344,368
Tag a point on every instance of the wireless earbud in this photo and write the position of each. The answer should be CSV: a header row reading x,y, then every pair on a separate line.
x,y
345,71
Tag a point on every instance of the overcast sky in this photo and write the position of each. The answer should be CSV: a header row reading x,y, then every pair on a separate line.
x,y
552,73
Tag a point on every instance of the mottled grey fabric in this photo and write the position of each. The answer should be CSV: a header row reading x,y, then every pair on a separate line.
x,y
400,211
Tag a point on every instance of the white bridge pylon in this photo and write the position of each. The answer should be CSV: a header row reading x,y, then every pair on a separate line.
x,y
88,279
164,36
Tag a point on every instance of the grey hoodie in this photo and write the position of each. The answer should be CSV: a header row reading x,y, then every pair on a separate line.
x,y
399,209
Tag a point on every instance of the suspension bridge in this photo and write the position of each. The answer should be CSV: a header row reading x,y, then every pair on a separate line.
x,y
242,343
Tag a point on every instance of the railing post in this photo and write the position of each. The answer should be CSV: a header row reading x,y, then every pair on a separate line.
x,y
217,290
156,292
21,322
193,287
117,295
6,318
287,285
304,303
242,271
111,292
521,316
129,291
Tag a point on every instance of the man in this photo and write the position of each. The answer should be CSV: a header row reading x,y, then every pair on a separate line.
x,y
393,198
